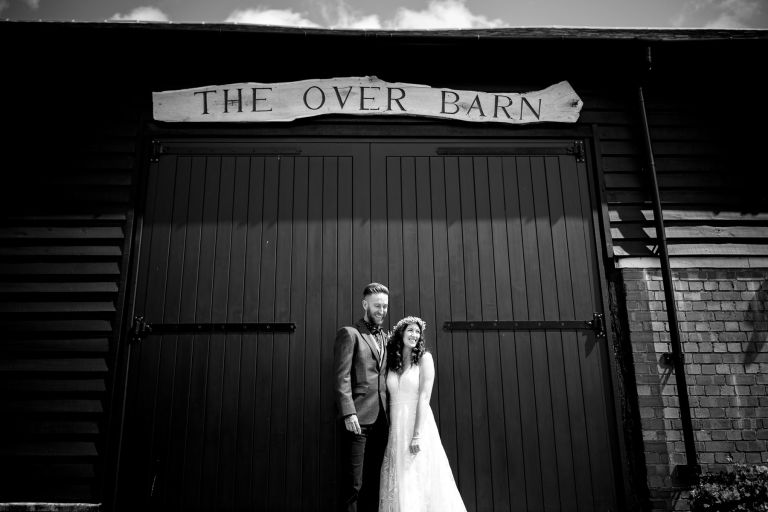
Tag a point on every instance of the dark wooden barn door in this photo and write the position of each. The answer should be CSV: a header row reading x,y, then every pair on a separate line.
x,y
484,232
284,233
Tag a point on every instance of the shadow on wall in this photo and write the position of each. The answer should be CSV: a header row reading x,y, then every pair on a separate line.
x,y
756,318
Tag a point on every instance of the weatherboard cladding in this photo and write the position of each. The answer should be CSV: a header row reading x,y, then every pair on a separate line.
x,y
68,209
65,226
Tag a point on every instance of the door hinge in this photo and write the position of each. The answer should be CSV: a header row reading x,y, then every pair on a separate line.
x,y
156,151
140,329
577,150
597,324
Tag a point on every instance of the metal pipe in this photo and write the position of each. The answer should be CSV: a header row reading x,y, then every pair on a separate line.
x,y
678,362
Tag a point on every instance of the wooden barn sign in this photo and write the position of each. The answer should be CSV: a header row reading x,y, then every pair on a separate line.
x,y
287,101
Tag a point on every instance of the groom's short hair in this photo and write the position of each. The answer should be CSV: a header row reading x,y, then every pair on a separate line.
x,y
375,288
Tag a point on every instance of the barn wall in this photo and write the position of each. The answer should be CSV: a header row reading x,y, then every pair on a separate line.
x,y
713,193
723,321
65,225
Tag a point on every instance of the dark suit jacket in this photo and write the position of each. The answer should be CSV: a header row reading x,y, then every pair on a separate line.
x,y
360,374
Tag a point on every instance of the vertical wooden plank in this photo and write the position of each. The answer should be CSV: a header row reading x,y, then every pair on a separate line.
x,y
492,357
298,448
554,287
523,267
474,309
425,265
410,241
233,361
348,296
143,355
314,494
264,379
168,485
395,239
500,211
443,340
377,196
184,242
238,264
282,286
190,381
158,351
196,448
466,469
541,285
219,270
247,414
571,263
330,323
364,270
594,357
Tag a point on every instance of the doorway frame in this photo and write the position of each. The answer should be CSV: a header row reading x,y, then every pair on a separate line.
x,y
344,129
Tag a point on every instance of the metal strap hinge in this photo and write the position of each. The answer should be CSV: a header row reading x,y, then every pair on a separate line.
x,y
141,328
577,149
596,325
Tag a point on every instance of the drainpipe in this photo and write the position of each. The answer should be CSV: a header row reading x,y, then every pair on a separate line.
x,y
689,471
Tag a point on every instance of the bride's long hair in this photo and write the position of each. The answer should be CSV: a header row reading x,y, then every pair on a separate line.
x,y
395,344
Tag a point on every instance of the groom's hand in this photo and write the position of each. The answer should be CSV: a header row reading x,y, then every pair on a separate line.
x,y
352,425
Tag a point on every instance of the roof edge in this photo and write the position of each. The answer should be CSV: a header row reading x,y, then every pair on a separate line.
x,y
543,32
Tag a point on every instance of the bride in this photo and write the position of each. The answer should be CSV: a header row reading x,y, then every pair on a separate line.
x,y
415,474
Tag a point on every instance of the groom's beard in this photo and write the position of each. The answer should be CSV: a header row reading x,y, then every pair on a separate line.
x,y
371,318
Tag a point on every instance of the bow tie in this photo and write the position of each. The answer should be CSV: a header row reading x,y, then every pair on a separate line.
x,y
373,328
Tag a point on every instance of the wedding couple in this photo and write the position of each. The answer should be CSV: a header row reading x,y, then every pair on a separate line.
x,y
392,458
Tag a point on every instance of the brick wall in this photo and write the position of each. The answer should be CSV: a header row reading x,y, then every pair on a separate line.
x,y
723,321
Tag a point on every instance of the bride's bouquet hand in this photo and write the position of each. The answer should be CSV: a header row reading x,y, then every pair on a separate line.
x,y
415,448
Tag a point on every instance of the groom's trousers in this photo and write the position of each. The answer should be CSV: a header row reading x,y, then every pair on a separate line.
x,y
361,459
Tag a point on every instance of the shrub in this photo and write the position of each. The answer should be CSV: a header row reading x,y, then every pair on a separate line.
x,y
743,487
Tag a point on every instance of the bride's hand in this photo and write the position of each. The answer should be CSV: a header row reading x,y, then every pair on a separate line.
x,y
415,448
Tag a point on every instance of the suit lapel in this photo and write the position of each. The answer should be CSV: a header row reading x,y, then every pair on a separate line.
x,y
370,341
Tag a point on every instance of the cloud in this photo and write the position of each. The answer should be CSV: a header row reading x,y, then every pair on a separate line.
x,y
33,4
725,21
141,14
441,14
263,16
719,14
4,4
343,16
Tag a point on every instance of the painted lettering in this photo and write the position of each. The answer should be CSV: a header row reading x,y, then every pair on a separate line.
x,y
503,108
364,98
256,99
205,99
227,101
476,104
452,102
322,98
391,98
525,102
338,95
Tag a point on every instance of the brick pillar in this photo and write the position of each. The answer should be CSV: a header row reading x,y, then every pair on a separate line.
x,y
723,318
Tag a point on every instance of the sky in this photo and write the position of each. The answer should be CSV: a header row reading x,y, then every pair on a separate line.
x,y
406,14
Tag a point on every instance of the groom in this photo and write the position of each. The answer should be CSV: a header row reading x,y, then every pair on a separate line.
x,y
360,368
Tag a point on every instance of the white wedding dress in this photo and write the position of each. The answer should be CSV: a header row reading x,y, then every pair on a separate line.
x,y
421,482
